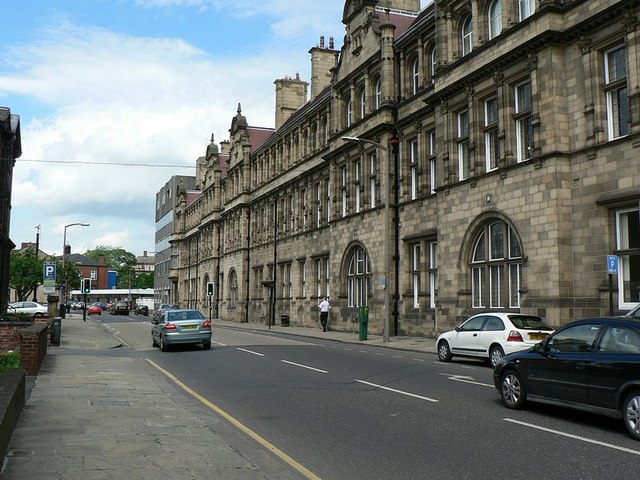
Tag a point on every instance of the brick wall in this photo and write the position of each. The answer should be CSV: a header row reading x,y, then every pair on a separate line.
x,y
33,347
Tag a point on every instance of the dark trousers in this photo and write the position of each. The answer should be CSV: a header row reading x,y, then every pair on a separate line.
x,y
324,316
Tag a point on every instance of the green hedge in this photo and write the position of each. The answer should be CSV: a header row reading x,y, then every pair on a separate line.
x,y
9,360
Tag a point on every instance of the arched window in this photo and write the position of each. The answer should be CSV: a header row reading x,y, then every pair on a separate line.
x,y
325,131
233,288
467,36
415,76
495,18
358,278
496,267
378,93
349,112
363,103
526,8
434,63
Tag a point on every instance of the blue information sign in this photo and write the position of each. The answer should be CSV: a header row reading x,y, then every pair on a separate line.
x,y
612,264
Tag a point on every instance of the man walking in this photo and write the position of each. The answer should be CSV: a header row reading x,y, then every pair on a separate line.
x,y
324,313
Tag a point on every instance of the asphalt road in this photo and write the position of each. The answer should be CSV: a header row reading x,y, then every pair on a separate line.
x,y
352,412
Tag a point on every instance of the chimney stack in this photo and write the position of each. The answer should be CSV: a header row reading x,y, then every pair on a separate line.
x,y
323,59
291,94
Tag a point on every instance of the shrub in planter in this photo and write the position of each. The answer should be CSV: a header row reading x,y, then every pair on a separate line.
x,y
16,317
9,360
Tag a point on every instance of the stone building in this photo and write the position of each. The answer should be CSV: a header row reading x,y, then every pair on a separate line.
x,y
463,157
10,149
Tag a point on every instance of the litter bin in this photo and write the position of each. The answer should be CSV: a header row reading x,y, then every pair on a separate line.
x,y
364,322
284,320
57,330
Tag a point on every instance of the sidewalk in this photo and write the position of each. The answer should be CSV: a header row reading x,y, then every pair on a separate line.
x,y
98,410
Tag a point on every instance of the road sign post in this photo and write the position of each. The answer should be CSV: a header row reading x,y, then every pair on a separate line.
x,y
612,269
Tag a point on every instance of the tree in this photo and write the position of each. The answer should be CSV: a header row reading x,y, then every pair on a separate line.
x,y
117,259
144,280
25,272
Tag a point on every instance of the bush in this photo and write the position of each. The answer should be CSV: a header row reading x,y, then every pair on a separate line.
x,y
9,360
16,317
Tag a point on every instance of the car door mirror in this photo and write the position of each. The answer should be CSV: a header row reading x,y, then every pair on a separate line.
x,y
457,329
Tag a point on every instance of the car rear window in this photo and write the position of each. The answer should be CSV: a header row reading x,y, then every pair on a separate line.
x,y
529,322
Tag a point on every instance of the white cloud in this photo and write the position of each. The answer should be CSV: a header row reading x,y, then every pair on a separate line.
x,y
123,99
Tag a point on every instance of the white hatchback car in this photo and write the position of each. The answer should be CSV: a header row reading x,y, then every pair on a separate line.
x,y
492,335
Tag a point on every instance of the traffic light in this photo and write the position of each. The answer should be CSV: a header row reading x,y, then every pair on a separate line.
x,y
86,285
210,289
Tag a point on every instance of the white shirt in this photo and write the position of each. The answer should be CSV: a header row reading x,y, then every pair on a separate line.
x,y
324,306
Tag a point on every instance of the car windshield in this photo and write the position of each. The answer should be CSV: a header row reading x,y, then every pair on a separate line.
x,y
529,322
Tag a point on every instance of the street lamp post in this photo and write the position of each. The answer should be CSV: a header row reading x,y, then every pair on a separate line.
x,y
64,259
35,287
386,237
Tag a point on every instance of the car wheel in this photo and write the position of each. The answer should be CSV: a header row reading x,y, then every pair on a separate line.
x,y
631,413
206,345
153,341
444,352
163,346
38,315
512,390
495,355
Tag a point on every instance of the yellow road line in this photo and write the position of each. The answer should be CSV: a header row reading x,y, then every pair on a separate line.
x,y
276,451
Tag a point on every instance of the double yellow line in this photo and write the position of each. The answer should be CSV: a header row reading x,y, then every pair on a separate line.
x,y
276,451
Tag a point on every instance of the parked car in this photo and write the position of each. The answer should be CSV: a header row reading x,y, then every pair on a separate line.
x,y
491,335
94,309
120,307
591,364
163,308
29,308
142,310
103,305
185,326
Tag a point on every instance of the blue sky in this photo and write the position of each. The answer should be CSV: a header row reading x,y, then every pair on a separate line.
x,y
138,85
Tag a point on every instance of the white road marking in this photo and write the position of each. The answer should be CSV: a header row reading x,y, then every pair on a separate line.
x,y
399,391
466,379
575,437
418,359
218,343
251,352
304,366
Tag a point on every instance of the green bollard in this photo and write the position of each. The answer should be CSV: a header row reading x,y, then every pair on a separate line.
x,y
57,331
364,322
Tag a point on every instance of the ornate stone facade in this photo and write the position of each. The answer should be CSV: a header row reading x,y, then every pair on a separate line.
x,y
492,162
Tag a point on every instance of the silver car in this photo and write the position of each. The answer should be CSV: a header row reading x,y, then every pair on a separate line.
x,y
30,308
176,327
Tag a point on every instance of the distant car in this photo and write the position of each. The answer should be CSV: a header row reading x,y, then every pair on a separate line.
x,y
103,305
185,326
142,310
491,335
163,308
94,309
29,308
120,307
591,365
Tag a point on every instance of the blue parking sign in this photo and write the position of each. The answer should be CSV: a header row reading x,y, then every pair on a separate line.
x,y
612,264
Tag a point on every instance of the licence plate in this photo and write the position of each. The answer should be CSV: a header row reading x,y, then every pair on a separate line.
x,y
538,336
189,327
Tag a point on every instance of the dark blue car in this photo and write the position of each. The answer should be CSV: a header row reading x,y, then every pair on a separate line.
x,y
591,364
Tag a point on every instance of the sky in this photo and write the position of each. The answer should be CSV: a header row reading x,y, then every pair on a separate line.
x,y
117,96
